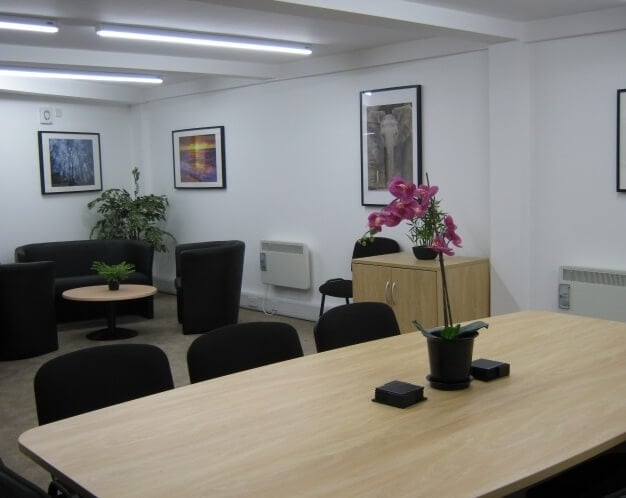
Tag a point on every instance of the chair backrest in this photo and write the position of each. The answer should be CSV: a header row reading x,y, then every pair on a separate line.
x,y
97,377
190,246
241,346
210,284
13,485
376,246
27,312
354,323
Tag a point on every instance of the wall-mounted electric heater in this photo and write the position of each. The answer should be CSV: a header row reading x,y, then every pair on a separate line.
x,y
285,264
593,292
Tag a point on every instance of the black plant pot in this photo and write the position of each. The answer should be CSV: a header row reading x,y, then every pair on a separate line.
x,y
114,286
450,362
423,252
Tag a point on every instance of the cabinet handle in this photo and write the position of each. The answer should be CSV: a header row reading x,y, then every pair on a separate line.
x,y
393,294
387,300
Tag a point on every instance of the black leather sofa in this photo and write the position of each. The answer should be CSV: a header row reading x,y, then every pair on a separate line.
x,y
73,260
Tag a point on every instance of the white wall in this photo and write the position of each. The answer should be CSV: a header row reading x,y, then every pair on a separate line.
x,y
578,217
510,176
27,215
293,164
521,139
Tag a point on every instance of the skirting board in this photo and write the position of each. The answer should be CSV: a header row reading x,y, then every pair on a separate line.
x,y
270,305
285,307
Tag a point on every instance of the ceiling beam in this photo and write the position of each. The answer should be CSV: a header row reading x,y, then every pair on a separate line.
x,y
22,55
402,10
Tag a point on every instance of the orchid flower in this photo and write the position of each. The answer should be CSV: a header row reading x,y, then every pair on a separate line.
x,y
428,226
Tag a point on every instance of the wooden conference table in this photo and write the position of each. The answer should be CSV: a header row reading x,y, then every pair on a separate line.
x,y
308,427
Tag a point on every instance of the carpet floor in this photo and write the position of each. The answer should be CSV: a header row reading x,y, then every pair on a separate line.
x,y
17,402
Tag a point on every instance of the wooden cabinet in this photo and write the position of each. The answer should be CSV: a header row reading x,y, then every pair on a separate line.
x,y
414,290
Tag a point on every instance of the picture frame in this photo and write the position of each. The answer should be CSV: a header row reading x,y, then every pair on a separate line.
x,y
391,140
69,162
621,141
199,158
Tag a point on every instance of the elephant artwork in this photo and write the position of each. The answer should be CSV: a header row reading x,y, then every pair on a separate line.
x,y
389,144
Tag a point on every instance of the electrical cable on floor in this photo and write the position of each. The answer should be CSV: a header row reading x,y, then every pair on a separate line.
x,y
265,298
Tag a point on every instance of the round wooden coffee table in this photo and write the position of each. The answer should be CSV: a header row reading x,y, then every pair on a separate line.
x,y
102,293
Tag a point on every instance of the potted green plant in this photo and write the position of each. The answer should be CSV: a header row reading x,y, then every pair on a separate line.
x,y
132,217
113,274
450,346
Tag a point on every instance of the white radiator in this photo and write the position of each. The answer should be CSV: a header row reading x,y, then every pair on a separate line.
x,y
286,264
593,292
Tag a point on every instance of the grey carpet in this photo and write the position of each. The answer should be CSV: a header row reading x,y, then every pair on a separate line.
x,y
17,403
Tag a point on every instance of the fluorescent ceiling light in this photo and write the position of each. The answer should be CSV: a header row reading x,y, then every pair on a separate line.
x,y
80,75
202,39
28,24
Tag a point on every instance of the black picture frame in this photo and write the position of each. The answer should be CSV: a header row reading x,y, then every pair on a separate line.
x,y
69,162
621,141
199,158
390,121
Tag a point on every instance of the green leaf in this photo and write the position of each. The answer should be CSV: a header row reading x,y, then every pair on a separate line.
x,y
419,327
451,332
473,327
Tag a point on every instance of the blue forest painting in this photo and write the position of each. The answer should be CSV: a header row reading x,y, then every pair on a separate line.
x,y
71,162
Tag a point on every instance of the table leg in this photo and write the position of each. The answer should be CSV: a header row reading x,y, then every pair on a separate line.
x,y
112,332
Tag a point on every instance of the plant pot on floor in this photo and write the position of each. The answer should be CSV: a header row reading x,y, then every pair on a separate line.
x,y
450,361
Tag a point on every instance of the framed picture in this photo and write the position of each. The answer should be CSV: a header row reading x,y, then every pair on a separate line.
x,y
69,162
621,140
391,139
199,158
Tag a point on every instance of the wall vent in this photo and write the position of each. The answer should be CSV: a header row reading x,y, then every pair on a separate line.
x,y
285,264
593,292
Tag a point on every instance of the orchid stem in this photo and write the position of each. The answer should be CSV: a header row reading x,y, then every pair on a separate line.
x,y
447,311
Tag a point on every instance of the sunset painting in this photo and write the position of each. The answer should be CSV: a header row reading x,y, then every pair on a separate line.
x,y
199,158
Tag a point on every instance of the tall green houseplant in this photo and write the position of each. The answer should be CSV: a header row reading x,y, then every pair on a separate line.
x,y
132,217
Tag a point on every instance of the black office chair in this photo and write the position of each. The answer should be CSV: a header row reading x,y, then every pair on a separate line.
x,y
603,476
354,323
341,287
100,376
27,315
241,346
13,485
208,284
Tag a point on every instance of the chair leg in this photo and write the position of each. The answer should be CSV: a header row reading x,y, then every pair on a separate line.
x,y
347,300
322,305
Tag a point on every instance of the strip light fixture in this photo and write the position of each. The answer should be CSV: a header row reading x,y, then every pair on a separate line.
x,y
201,39
80,75
28,24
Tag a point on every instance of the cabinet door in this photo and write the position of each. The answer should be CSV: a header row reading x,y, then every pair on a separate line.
x,y
370,283
414,297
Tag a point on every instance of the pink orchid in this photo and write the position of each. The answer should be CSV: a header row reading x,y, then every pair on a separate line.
x,y
402,189
429,225
440,245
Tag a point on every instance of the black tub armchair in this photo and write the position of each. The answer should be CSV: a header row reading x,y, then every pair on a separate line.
x,y
27,316
208,284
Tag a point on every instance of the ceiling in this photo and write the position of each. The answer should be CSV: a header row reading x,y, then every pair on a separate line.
x,y
343,34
